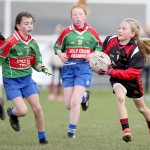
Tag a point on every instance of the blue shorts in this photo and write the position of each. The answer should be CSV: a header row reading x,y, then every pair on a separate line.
x,y
22,86
76,72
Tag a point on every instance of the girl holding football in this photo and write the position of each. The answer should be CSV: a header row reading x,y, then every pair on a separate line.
x,y
128,53
19,54
74,47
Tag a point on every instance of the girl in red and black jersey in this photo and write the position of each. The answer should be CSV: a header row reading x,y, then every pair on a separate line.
x,y
2,111
127,52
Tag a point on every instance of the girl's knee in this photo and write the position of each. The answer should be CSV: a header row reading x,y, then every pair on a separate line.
x,y
141,109
37,110
120,99
67,106
75,104
23,112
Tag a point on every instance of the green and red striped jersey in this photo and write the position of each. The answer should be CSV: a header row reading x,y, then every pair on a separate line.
x,y
77,43
18,56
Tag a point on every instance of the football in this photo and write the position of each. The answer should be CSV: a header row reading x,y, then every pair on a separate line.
x,y
98,61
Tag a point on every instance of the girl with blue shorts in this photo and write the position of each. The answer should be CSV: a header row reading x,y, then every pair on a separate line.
x,y
75,46
19,54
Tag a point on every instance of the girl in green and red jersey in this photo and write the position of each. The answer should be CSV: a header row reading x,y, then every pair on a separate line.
x,y
18,55
74,47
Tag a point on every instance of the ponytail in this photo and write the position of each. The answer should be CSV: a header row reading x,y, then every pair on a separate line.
x,y
81,4
144,47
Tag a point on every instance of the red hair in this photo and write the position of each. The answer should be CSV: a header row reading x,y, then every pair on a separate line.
x,y
80,4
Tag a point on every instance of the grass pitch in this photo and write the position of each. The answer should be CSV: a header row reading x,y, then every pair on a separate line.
x,y
98,128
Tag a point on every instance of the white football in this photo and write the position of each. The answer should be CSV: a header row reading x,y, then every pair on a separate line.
x,y
98,61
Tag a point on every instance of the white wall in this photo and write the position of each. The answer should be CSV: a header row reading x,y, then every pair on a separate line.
x,y
89,1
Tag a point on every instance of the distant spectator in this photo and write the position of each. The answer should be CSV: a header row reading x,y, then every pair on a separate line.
x,y
146,71
55,91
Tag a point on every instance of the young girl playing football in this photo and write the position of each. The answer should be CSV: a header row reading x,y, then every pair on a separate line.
x,y
74,47
19,54
2,111
127,51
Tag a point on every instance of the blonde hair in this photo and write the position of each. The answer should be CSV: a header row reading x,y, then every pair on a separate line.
x,y
143,43
81,4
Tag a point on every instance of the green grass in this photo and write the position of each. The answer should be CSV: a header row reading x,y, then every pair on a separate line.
x,y
98,128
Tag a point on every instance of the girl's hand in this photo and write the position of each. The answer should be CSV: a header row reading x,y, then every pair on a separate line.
x,y
105,71
88,56
62,56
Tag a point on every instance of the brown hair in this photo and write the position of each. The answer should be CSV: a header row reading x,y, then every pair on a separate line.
x,y
81,4
143,43
19,18
144,47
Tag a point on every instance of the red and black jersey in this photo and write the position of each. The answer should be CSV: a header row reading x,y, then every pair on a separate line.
x,y
127,60
127,63
2,39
